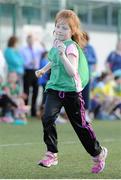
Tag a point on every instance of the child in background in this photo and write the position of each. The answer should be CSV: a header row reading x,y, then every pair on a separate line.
x,y
116,110
106,97
101,96
69,75
43,80
17,97
91,57
7,105
117,87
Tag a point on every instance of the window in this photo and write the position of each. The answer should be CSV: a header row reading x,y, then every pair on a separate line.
x,y
115,16
83,13
6,10
53,13
31,13
99,15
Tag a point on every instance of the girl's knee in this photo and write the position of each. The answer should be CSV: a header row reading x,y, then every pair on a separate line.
x,y
47,121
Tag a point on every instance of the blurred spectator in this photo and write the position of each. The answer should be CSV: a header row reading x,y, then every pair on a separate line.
x,y
3,66
103,98
98,96
14,59
31,55
117,90
92,61
43,80
7,105
12,89
113,61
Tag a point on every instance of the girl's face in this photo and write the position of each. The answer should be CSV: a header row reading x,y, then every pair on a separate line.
x,y
62,30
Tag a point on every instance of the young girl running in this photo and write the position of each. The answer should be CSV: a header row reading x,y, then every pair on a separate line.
x,y
68,77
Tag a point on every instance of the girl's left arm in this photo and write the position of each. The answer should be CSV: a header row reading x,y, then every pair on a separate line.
x,y
70,64
70,61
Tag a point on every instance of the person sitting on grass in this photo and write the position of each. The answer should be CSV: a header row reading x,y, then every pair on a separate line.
x,y
13,90
7,105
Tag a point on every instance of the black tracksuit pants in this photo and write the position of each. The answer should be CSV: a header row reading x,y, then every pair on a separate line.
x,y
74,107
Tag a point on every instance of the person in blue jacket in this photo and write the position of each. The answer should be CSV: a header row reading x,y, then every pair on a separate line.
x,y
92,61
43,79
113,61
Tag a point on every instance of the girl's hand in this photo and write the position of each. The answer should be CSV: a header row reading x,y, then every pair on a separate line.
x,y
39,73
60,46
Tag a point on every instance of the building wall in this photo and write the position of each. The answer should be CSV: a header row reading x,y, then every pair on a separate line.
x,y
104,43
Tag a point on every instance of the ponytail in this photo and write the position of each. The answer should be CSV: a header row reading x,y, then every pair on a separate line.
x,y
80,38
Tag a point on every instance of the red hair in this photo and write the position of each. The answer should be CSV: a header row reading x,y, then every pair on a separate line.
x,y
74,23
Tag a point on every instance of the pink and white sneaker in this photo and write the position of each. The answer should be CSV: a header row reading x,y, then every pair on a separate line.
x,y
49,160
99,161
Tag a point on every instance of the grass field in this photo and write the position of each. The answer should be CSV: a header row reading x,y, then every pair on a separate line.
x,y
21,147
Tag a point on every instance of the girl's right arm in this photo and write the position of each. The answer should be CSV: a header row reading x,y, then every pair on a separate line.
x,y
42,71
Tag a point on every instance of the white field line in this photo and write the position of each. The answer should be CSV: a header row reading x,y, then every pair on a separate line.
x,y
64,142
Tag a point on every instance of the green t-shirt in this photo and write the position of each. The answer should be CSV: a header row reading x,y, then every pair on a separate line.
x,y
59,78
